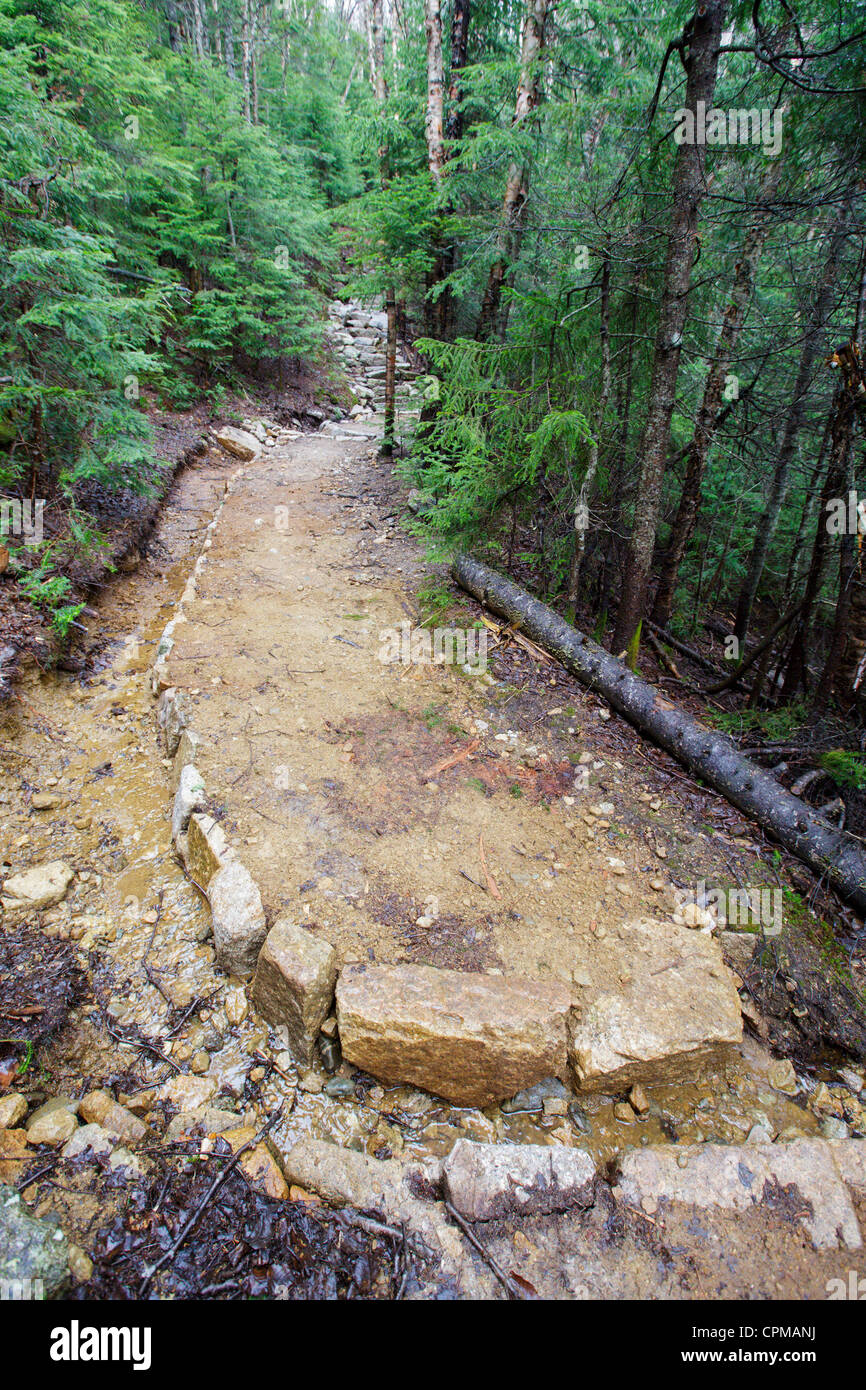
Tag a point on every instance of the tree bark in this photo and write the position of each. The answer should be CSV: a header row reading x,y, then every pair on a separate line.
x,y
245,60
459,49
811,347
512,221
701,62
706,754
710,410
380,85
434,121
581,510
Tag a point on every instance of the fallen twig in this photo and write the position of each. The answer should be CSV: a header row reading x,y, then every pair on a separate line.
x,y
491,882
511,1288
211,1192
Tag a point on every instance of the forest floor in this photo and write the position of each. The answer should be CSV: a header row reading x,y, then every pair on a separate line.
x,y
407,813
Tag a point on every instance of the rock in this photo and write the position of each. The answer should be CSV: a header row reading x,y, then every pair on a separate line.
x,y
760,1133
236,1005
100,1107
239,443
294,983
200,1061
637,1099
339,1088
36,888
852,1079
678,1010
531,1101
79,1263
90,1138
782,1077
259,1164
831,1128
187,751
485,1182
238,918
390,1190
188,1092
14,1154
53,1123
623,1112
737,1179
475,1039
12,1110
31,1249
44,801
205,849
172,716
207,1120
189,797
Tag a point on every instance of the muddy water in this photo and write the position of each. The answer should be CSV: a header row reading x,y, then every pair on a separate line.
x,y
143,928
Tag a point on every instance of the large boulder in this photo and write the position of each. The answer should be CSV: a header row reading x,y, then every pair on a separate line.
x,y
42,886
294,983
485,1182
665,1006
239,443
474,1039
238,917
739,1179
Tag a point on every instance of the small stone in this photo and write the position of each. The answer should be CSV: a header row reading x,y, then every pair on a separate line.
x,y
555,1105
783,1077
91,1138
236,1005
831,1128
623,1112
188,1092
259,1164
339,1088
53,1123
200,1062
44,801
638,1100
12,1111
310,1084
80,1264
38,887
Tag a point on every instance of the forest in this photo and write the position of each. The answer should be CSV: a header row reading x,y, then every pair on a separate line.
x,y
622,243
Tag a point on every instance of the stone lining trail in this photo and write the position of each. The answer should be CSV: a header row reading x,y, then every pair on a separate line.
x,y
383,825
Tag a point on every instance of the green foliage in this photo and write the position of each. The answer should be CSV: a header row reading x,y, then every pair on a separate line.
x,y
846,768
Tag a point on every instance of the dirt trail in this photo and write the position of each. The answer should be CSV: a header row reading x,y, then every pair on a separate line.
x,y
490,821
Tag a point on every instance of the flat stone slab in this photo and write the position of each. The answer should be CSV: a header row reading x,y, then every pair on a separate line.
x,y
676,1009
737,1179
239,443
485,1182
474,1039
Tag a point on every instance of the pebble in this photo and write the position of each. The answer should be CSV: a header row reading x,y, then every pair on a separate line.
x,y
80,1264
638,1100
236,1005
200,1062
622,1111
339,1088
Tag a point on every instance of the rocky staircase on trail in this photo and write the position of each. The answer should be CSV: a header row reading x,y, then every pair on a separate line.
x,y
357,336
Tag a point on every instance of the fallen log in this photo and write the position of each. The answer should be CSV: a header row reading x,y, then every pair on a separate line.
x,y
709,755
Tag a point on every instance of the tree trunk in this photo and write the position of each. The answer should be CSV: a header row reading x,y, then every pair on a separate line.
x,y
377,55
581,510
173,21
701,63
706,754
811,347
711,404
512,220
459,48
433,122
198,30
245,60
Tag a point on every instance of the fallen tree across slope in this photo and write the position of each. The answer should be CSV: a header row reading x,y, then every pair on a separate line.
x,y
709,755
